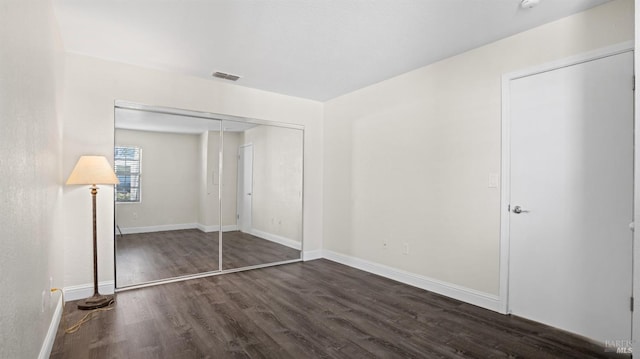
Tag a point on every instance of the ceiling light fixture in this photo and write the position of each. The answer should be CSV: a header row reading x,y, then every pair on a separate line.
x,y
224,76
528,4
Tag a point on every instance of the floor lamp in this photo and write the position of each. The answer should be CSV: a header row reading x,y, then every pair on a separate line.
x,y
93,170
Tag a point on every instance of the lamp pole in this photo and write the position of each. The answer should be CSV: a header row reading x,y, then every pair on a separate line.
x,y
97,300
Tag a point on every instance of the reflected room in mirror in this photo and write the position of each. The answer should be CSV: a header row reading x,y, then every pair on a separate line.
x,y
266,168
180,212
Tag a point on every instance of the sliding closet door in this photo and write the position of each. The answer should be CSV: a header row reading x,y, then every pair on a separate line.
x,y
203,193
167,203
261,194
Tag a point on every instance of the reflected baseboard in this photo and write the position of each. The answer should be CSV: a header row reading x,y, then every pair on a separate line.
x,y
215,228
175,227
276,238
161,228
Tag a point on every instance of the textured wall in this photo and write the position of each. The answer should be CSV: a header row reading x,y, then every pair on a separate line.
x,y
30,178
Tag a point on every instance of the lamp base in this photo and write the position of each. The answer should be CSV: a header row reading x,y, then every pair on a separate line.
x,y
95,302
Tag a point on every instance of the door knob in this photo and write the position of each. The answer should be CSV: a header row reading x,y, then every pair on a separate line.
x,y
518,210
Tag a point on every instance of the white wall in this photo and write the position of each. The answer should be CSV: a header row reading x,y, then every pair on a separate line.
x,y
30,177
205,180
407,160
180,181
229,177
277,180
91,87
210,206
169,180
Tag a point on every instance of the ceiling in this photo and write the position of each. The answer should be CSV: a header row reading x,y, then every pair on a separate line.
x,y
314,49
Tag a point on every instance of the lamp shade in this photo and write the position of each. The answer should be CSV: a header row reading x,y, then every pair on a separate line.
x,y
92,170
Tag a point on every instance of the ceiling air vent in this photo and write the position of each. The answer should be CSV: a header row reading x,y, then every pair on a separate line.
x,y
222,75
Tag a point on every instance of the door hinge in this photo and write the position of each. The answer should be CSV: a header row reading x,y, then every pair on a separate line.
x,y
631,304
633,86
237,216
508,208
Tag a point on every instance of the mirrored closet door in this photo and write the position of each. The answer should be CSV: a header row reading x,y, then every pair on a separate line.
x,y
262,179
203,193
167,200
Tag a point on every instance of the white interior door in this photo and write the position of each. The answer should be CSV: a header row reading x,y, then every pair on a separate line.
x,y
571,176
245,187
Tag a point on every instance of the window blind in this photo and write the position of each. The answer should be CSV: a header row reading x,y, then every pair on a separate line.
x,y
128,169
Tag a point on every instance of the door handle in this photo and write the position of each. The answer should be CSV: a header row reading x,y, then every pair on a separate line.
x,y
518,210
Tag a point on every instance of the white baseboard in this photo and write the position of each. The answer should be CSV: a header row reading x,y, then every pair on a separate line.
x,y
215,228
471,296
230,228
161,228
82,291
277,239
50,338
175,227
311,255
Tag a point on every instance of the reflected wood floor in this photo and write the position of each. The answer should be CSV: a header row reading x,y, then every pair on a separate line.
x,y
144,257
240,249
316,309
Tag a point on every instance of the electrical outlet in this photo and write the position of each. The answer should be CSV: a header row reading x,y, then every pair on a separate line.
x,y
405,248
135,215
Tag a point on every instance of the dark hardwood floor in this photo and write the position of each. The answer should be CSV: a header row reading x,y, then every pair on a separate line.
x,y
146,257
316,309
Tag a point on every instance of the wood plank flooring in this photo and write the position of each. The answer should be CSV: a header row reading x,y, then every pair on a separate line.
x,y
145,257
316,309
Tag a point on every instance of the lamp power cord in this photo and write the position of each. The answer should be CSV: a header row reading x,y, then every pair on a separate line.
x,y
87,317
